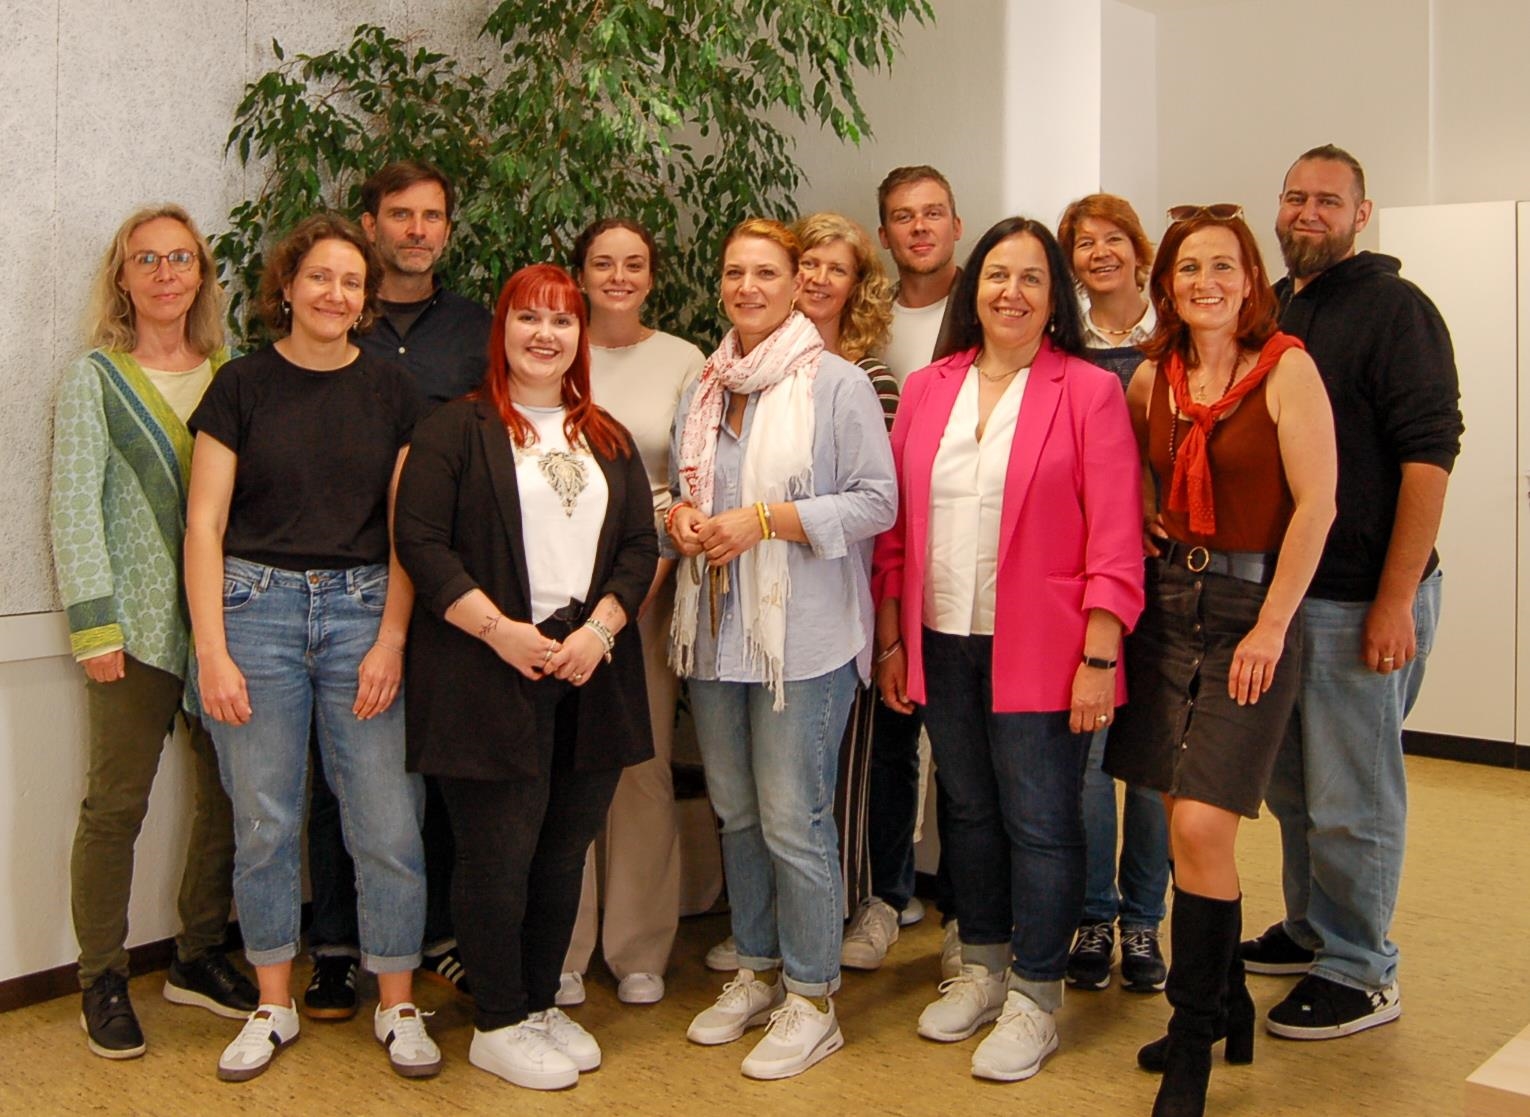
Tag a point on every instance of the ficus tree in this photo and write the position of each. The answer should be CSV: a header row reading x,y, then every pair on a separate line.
x,y
667,111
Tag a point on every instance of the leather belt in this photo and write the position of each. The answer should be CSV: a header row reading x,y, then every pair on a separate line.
x,y
1246,566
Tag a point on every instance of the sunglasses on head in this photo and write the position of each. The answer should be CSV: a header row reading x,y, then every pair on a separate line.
x,y
1220,211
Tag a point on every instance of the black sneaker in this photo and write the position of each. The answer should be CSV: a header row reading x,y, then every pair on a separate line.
x,y
211,982
1321,1009
111,1028
331,992
1142,968
1089,962
445,968
1275,953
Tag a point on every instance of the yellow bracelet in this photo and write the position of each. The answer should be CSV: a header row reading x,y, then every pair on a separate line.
x,y
767,524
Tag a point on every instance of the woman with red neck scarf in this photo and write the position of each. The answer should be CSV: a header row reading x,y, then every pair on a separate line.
x,y
1234,425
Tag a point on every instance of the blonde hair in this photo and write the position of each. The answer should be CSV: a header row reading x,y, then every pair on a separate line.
x,y
867,317
109,318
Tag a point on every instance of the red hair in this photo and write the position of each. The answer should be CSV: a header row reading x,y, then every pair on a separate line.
x,y
1258,318
546,286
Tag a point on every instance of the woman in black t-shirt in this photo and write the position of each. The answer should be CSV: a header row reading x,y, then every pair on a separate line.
x,y
297,448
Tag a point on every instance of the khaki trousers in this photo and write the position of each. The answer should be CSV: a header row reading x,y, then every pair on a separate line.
x,y
129,722
640,849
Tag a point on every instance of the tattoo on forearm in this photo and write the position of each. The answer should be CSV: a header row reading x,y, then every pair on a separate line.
x,y
487,629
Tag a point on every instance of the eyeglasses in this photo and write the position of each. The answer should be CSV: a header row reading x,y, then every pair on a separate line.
x,y
1219,211
148,262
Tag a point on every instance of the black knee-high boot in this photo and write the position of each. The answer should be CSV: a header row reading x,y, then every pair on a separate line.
x,y
1204,936
1235,1020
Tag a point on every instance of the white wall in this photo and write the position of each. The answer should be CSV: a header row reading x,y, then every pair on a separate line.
x,y
1430,96
942,105
1128,107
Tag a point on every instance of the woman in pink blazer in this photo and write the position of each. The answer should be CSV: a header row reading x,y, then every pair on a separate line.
x,y
1003,591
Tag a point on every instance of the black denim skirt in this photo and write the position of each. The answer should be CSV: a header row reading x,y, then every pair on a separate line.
x,y
1180,732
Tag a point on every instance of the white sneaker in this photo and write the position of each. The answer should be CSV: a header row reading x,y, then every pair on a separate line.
x,y
568,1037
525,1055
799,1036
401,1031
871,932
268,1029
950,951
911,914
724,956
640,989
570,990
1024,1036
972,998
746,1002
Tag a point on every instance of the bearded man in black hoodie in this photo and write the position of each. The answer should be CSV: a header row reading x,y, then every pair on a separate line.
x,y
1339,789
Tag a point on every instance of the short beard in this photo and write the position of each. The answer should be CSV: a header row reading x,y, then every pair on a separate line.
x,y
1306,257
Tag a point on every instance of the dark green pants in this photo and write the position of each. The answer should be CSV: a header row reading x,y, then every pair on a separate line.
x,y
129,722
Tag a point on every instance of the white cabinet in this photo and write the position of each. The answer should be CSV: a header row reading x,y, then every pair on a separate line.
x,y
1473,261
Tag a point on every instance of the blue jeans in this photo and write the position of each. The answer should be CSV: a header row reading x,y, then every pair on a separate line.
x,y
1144,873
1340,792
299,639
771,778
1016,831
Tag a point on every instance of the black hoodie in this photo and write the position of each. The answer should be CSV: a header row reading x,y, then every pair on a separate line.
x,y
1385,356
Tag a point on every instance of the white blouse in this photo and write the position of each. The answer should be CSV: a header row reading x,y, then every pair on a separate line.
x,y
563,503
966,503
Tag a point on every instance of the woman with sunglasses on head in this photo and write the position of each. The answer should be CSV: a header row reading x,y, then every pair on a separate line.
x,y
525,518
637,374
1110,256
1003,591
782,476
1233,421
300,611
121,452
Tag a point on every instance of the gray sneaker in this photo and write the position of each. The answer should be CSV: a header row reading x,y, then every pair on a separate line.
x,y
969,1000
746,1002
1024,1036
871,932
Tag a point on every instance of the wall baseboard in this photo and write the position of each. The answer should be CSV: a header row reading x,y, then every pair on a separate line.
x,y
63,981
1468,750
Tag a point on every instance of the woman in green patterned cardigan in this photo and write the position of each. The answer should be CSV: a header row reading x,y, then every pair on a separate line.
x,y
121,453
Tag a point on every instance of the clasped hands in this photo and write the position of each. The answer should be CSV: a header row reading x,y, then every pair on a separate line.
x,y
722,537
523,646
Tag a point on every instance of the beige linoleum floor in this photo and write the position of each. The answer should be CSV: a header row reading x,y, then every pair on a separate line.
x,y
1463,925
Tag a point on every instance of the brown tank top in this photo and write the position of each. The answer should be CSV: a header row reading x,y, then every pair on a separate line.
x,y
1248,483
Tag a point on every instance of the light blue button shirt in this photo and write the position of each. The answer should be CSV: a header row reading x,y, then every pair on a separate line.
x,y
853,497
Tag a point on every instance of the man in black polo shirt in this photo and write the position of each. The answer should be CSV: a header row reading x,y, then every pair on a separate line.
x,y
1339,789
442,339
439,336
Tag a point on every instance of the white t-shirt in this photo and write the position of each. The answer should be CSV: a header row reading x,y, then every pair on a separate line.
x,y
911,344
563,503
966,507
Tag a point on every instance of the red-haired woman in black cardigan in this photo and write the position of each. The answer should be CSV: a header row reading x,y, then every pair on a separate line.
x,y
524,518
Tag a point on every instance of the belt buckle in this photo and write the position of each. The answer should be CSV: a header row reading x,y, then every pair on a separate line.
x,y
1197,555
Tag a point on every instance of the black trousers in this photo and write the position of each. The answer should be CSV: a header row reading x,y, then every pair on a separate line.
x,y
520,864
